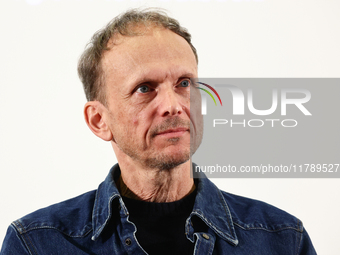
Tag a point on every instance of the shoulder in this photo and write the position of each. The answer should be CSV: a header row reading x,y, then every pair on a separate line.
x,y
254,214
72,217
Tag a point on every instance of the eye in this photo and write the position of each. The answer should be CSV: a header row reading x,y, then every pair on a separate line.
x,y
143,89
185,83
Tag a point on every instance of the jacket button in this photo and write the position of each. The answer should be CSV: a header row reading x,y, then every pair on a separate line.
x,y
206,236
128,242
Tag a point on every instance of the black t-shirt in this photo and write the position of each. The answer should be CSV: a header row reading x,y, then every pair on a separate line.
x,y
161,226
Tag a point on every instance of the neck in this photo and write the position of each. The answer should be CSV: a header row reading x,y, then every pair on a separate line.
x,y
154,185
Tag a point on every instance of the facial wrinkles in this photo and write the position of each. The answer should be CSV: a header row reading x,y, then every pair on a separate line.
x,y
117,72
169,80
151,132
163,64
133,58
169,123
155,160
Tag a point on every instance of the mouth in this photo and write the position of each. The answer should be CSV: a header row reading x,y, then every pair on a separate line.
x,y
173,132
171,128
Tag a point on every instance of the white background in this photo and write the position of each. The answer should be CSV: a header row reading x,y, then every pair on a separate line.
x,y
47,153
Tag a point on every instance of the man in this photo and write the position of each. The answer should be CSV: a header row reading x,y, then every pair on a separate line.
x,y
137,75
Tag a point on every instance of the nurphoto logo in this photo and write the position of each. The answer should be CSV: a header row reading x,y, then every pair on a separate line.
x,y
243,104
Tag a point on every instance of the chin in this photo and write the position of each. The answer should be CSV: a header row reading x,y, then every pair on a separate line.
x,y
168,161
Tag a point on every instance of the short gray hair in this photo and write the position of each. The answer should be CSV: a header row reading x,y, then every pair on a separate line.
x,y
89,66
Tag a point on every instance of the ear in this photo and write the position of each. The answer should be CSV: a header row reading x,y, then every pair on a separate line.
x,y
93,113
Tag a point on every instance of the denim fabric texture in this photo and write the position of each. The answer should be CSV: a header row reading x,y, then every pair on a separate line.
x,y
97,222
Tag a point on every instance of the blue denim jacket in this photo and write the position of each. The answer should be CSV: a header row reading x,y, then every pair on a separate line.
x,y
97,222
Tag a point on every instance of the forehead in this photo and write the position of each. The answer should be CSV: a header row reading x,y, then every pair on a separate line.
x,y
156,53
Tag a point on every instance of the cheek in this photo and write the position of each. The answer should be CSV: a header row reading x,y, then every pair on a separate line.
x,y
195,103
131,115
140,119
135,121
137,116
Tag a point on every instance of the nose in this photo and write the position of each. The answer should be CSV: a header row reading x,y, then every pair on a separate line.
x,y
170,103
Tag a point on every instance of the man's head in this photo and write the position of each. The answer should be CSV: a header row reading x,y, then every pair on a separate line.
x,y
130,23
141,98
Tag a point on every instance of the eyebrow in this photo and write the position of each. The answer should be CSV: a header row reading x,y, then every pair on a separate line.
x,y
153,78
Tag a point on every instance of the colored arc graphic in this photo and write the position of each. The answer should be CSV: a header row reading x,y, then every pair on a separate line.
x,y
210,93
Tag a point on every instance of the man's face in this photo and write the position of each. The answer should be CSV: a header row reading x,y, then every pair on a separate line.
x,y
147,85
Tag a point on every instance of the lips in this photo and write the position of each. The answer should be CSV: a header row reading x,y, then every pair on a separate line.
x,y
171,127
173,131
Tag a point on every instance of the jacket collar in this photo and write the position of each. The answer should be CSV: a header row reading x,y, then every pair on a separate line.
x,y
210,206
102,209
